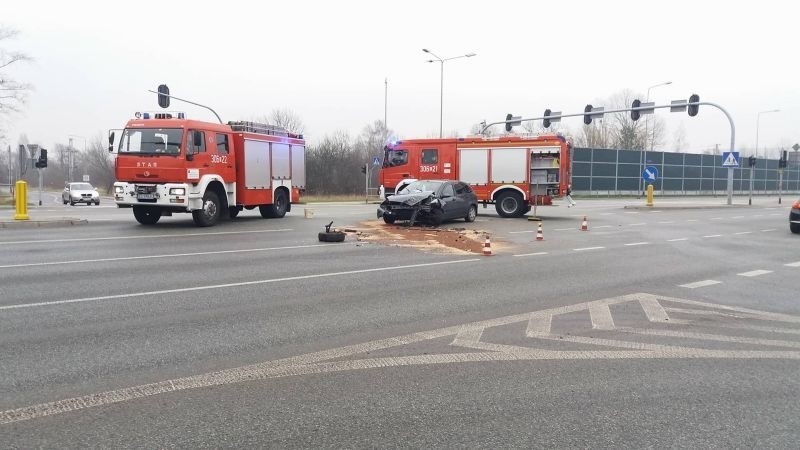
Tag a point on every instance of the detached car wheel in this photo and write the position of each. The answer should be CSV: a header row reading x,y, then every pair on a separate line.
x,y
331,236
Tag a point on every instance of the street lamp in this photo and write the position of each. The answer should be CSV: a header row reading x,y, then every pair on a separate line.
x,y
758,119
643,152
441,86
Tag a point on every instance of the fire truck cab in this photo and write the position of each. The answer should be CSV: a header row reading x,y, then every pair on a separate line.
x,y
512,172
167,163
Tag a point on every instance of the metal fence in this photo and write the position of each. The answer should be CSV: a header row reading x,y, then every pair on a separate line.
x,y
600,171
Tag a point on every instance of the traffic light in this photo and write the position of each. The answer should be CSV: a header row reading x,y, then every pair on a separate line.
x,y
751,161
508,124
546,121
41,163
635,114
364,169
782,163
694,98
587,118
163,96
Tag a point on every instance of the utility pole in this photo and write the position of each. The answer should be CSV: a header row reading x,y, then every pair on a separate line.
x,y
385,101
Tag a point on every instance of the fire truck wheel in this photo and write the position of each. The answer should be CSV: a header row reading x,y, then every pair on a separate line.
x,y
146,215
510,204
331,236
209,215
471,214
233,212
277,209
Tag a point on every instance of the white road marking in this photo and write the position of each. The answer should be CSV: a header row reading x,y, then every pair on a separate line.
x,y
712,337
227,285
713,236
637,243
754,273
699,284
742,232
151,236
603,226
532,254
652,212
776,214
692,220
172,255
465,336
601,316
631,212
637,224
716,218
794,264
737,217
519,232
677,239
587,248
768,230
564,229
666,222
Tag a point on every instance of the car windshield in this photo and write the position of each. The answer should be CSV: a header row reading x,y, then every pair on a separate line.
x,y
421,186
151,141
81,187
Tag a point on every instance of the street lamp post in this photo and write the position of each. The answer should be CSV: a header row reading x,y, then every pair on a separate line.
x,y
441,83
752,169
643,153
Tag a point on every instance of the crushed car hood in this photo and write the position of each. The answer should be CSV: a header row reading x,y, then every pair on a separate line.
x,y
409,199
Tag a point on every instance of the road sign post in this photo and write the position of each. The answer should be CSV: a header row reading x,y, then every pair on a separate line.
x,y
649,175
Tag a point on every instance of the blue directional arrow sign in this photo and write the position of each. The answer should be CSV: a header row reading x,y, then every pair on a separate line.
x,y
730,159
376,161
650,174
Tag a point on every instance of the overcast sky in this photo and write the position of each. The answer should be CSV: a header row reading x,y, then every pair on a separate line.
x,y
327,61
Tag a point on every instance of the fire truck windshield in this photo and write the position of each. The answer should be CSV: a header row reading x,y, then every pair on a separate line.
x,y
394,157
151,141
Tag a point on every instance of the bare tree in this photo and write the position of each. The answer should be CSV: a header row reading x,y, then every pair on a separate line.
x,y
679,139
12,93
286,118
332,167
98,163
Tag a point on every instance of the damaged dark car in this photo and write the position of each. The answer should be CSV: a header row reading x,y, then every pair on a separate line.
x,y
430,201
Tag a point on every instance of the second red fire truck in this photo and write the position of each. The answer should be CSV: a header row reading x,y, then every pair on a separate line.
x,y
512,172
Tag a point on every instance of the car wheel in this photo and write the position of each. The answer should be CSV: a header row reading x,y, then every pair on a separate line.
x,y
389,219
209,215
146,215
794,228
471,214
510,204
97,203
331,236
71,203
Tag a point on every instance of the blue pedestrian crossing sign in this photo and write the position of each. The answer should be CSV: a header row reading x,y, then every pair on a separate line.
x,y
730,159
650,174
376,161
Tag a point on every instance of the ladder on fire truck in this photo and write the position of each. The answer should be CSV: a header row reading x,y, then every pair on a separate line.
x,y
260,128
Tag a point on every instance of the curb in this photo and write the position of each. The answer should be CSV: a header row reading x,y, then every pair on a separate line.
x,y
43,223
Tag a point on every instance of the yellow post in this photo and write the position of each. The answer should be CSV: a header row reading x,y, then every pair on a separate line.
x,y
21,201
649,195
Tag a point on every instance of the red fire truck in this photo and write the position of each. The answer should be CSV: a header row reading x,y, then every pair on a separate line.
x,y
513,172
167,163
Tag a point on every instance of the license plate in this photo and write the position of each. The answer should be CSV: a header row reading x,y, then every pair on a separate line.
x,y
146,196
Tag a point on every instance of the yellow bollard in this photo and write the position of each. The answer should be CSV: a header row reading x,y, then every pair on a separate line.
x,y
649,195
21,201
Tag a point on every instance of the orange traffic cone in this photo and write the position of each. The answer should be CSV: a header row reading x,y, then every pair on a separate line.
x,y
539,234
487,247
585,225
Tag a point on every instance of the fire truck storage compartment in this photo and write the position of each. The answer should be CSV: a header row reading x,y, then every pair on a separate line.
x,y
298,166
280,161
545,167
509,165
256,166
474,165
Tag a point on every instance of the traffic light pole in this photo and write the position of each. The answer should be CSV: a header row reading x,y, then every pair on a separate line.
x,y
676,106
750,196
40,186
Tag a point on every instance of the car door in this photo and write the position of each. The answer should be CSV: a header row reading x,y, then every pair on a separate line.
x,y
449,201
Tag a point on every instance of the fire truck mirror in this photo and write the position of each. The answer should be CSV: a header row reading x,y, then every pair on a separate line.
x,y
111,142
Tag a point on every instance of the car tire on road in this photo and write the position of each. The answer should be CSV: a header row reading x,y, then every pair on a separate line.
x,y
331,236
471,214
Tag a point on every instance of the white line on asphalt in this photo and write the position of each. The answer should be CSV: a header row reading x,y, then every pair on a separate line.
x,y
742,232
737,217
713,236
603,226
600,315
638,224
699,284
776,214
692,220
754,273
518,232
656,211
564,229
768,230
794,264
637,243
666,222
532,254
172,255
587,248
151,236
631,212
678,239
227,285
716,218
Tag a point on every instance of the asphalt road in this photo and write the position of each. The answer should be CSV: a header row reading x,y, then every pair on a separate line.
x,y
672,327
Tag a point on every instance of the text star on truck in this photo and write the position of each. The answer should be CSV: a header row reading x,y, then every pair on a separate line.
x,y
167,163
513,172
